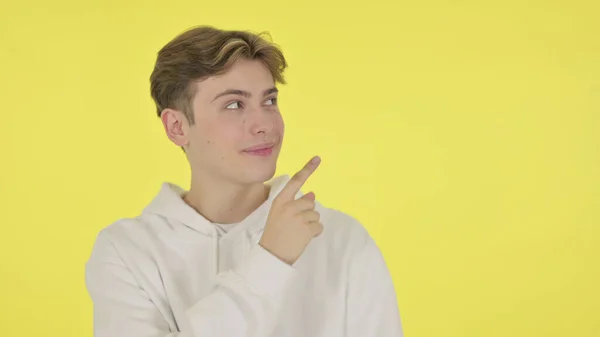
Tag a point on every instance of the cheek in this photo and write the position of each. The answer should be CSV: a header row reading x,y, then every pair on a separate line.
x,y
230,133
278,124
221,131
212,139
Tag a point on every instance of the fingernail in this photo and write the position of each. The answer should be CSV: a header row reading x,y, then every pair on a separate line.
x,y
315,159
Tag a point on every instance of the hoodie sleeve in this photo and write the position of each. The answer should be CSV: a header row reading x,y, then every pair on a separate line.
x,y
245,302
372,302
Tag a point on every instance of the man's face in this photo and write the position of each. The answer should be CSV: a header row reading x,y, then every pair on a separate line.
x,y
238,128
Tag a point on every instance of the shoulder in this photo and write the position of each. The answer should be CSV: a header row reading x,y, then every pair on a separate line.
x,y
124,229
343,229
127,236
344,234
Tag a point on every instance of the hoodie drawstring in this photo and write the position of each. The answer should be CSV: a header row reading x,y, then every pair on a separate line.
x,y
250,240
216,250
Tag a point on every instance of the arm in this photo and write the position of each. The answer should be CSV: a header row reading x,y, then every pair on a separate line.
x,y
372,303
244,304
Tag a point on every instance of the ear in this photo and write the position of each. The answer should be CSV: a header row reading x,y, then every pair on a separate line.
x,y
176,126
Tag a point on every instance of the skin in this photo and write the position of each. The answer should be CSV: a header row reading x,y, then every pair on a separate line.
x,y
228,183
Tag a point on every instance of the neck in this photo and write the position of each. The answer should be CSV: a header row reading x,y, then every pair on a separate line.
x,y
225,202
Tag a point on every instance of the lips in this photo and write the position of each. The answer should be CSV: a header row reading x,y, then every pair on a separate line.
x,y
260,147
261,150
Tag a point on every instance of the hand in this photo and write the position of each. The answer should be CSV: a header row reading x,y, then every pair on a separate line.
x,y
292,223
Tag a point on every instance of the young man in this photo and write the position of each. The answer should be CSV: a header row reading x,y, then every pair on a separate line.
x,y
239,254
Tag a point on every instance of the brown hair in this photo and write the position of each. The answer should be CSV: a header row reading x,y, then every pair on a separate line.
x,y
202,52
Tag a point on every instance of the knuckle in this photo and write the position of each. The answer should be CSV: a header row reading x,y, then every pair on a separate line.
x,y
287,210
318,229
297,176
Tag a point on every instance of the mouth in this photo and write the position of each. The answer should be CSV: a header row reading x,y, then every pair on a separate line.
x,y
261,150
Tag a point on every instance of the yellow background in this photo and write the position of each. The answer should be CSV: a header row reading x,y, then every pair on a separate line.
x,y
463,134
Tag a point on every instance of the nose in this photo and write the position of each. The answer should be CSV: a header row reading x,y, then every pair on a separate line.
x,y
260,122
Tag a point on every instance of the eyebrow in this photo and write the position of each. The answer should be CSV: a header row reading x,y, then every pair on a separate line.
x,y
244,93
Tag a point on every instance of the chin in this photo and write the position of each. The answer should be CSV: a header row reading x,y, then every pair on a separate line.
x,y
260,175
258,172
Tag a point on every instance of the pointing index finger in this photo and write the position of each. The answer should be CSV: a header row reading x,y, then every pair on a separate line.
x,y
293,186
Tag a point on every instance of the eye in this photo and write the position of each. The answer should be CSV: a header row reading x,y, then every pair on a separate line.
x,y
234,105
272,101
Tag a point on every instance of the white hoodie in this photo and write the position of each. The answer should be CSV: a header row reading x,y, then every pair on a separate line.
x,y
169,272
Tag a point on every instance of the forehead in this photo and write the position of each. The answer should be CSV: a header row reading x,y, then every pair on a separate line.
x,y
247,75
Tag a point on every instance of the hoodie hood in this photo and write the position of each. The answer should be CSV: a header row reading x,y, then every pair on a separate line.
x,y
169,204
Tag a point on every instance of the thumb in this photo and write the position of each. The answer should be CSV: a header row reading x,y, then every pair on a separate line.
x,y
309,196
